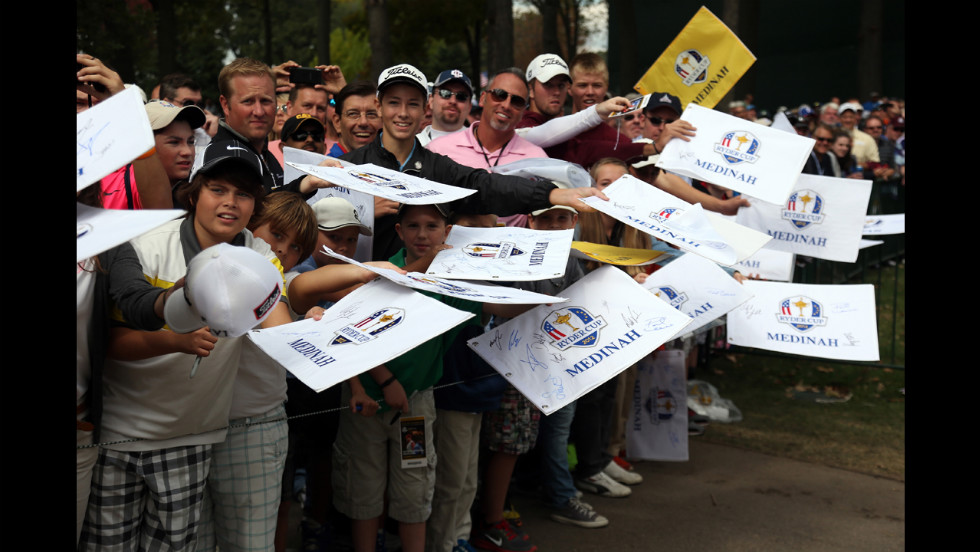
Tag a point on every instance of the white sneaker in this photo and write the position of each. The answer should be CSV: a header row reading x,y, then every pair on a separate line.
x,y
603,485
614,471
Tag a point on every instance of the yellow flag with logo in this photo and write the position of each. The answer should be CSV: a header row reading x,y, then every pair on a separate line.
x,y
701,65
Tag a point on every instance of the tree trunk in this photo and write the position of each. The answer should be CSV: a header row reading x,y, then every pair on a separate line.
x,y
323,32
500,28
377,16
869,48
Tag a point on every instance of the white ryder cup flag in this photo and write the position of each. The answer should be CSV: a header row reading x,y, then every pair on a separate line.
x,y
386,183
657,428
110,135
481,293
546,168
697,287
376,323
823,217
362,202
554,354
882,225
677,222
738,154
768,264
102,229
504,253
806,319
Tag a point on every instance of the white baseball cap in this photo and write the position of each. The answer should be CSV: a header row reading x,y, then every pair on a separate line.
x,y
546,67
336,212
229,288
406,74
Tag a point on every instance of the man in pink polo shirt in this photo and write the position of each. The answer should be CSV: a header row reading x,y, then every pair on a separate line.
x,y
492,141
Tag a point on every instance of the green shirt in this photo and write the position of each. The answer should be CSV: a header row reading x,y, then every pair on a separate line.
x,y
421,367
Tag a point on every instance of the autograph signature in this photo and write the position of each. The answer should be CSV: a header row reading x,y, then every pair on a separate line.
x,y
531,361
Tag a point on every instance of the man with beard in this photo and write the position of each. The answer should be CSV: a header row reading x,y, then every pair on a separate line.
x,y
450,104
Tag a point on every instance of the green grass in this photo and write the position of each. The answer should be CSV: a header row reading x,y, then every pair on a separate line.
x,y
866,433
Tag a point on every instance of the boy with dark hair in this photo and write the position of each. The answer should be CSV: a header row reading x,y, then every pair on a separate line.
x,y
148,483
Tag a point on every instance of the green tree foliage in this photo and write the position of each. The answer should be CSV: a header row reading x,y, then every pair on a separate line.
x,y
351,51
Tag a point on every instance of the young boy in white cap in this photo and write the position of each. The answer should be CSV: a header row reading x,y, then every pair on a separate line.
x,y
402,93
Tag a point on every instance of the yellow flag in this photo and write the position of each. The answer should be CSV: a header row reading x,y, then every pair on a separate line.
x,y
624,256
701,65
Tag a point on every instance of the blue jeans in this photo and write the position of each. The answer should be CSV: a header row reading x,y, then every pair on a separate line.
x,y
553,450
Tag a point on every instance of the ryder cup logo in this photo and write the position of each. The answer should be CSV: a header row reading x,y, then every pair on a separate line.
x,y
662,215
799,211
370,327
801,312
377,180
572,327
660,405
500,250
737,146
691,66
672,296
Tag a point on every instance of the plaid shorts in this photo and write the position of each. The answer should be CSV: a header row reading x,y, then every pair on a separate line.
x,y
149,500
241,499
513,427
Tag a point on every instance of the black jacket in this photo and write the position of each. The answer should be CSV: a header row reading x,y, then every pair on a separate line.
x,y
272,177
502,195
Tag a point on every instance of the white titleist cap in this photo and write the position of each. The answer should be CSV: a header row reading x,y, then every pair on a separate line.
x,y
405,74
228,288
546,67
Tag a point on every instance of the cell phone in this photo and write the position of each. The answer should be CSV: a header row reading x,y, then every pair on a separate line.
x,y
98,86
305,75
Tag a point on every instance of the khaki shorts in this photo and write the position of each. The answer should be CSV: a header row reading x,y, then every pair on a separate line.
x,y
367,460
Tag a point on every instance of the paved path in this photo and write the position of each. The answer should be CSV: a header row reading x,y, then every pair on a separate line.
x,y
726,499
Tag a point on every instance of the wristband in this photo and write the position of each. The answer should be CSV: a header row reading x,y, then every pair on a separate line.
x,y
387,382
150,153
655,148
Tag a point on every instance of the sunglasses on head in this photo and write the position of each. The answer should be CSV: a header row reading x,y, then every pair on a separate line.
x,y
302,135
460,96
501,96
657,121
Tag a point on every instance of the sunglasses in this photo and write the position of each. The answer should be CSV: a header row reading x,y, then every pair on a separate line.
x,y
282,108
872,128
820,139
302,136
631,116
501,96
657,121
460,96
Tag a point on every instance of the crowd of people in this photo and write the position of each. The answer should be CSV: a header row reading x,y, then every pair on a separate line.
x,y
214,461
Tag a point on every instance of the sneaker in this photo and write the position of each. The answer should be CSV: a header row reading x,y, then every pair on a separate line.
x,y
501,538
621,462
578,513
619,474
463,545
316,537
513,518
603,485
695,429
699,419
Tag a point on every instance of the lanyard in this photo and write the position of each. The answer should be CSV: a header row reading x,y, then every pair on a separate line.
x,y
483,150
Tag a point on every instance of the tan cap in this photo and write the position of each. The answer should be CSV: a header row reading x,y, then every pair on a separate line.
x,y
163,113
336,212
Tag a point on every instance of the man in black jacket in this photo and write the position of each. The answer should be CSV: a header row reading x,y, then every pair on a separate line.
x,y
402,94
